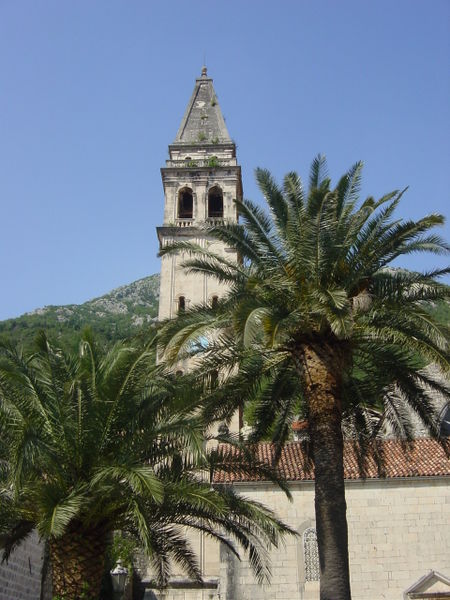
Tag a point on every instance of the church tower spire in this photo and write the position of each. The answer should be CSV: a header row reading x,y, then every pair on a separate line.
x,y
201,179
203,118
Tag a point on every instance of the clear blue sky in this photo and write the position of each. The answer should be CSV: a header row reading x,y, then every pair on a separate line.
x,y
92,92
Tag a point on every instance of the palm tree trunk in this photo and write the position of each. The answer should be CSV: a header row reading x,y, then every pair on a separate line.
x,y
78,561
325,416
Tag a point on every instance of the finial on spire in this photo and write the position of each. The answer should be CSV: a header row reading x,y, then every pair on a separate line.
x,y
204,72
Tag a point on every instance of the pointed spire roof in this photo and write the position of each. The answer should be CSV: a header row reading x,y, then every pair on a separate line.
x,y
203,120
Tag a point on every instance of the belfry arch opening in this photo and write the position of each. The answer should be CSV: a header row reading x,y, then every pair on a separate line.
x,y
185,204
215,203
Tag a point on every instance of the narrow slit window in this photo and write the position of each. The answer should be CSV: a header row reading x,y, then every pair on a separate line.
x,y
181,304
215,203
185,204
214,301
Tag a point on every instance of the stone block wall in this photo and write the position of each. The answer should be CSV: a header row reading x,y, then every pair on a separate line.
x,y
398,531
20,578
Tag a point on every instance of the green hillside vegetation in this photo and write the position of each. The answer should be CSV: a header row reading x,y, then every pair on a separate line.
x,y
116,315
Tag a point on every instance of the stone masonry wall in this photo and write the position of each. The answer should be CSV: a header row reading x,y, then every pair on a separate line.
x,y
398,531
20,578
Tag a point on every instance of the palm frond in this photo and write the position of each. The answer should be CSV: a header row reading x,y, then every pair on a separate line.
x,y
274,198
140,479
319,172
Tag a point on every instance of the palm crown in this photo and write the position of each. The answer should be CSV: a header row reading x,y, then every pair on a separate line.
x,y
314,272
98,442
319,324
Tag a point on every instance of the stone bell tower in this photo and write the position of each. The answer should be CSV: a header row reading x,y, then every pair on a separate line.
x,y
201,179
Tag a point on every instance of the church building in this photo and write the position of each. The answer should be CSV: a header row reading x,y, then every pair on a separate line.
x,y
398,524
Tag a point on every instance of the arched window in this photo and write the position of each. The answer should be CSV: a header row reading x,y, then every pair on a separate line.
x,y
215,203
214,301
311,554
185,204
181,304
444,430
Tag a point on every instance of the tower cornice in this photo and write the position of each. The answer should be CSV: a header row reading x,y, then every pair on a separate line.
x,y
195,145
180,170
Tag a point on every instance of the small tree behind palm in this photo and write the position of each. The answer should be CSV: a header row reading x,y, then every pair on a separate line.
x,y
319,324
95,442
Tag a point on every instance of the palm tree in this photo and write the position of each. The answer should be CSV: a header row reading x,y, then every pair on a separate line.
x,y
318,324
97,442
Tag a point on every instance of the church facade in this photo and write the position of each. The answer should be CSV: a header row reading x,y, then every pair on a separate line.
x,y
398,541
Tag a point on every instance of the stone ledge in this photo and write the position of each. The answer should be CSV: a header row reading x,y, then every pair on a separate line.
x,y
189,584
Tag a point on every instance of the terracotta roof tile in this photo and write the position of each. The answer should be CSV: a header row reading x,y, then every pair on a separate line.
x,y
421,458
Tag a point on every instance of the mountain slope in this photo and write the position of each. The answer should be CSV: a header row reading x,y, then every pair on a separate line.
x,y
115,315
